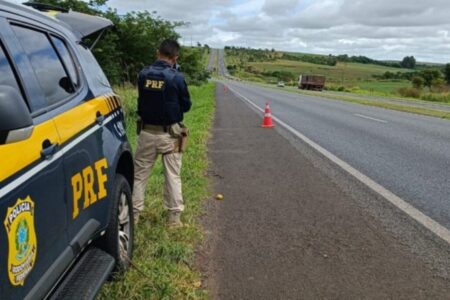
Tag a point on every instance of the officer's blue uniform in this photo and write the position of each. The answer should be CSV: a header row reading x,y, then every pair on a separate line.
x,y
163,95
163,98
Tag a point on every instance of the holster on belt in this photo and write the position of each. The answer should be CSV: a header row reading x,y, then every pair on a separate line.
x,y
181,133
184,139
139,125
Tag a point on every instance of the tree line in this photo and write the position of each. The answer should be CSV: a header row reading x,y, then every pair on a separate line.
x,y
252,55
124,50
260,55
408,62
431,77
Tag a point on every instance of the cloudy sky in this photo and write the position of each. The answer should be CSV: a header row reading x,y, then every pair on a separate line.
x,y
381,29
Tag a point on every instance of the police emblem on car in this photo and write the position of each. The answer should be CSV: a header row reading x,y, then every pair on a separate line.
x,y
22,243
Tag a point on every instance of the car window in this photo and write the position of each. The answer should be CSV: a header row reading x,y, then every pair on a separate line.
x,y
6,73
67,59
94,73
53,79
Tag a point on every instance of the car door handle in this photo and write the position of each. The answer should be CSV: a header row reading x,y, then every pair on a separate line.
x,y
48,149
100,118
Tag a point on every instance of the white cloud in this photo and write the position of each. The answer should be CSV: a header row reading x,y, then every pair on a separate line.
x,y
382,29
281,8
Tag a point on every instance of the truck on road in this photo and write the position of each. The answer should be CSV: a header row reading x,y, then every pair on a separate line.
x,y
311,82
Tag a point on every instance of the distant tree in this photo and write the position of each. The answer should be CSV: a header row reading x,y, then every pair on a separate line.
x,y
447,73
388,75
190,61
408,62
140,34
343,58
249,69
430,76
417,82
438,83
315,59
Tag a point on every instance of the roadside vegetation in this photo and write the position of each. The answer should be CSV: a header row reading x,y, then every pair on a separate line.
x,y
164,258
123,51
205,56
355,74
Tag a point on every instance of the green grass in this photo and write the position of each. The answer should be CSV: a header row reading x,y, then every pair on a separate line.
x,y
436,97
392,106
342,73
166,256
383,87
205,58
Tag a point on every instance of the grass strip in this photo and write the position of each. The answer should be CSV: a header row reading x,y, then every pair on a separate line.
x,y
166,256
404,108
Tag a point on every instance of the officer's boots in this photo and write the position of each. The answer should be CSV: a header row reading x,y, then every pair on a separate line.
x,y
173,219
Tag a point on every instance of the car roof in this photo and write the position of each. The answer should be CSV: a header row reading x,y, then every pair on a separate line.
x,y
81,25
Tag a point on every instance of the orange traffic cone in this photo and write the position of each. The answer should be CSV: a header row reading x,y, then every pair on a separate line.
x,y
267,121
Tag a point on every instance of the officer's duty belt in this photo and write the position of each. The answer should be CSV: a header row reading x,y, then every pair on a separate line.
x,y
158,128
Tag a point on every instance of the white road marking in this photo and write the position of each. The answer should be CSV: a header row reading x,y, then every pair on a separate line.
x,y
370,118
439,230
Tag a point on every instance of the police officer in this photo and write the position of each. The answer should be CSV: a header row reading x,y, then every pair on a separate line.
x,y
163,98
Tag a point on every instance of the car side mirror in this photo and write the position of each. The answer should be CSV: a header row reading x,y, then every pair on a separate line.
x,y
15,119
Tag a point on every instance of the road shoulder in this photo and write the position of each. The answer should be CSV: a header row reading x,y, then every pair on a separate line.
x,y
305,236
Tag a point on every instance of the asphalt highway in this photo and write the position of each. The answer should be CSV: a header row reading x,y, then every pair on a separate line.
x,y
213,56
292,225
406,153
222,69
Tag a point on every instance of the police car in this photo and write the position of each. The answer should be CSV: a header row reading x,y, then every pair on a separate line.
x,y
66,167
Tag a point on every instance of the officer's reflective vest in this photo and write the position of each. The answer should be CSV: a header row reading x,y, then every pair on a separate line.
x,y
158,102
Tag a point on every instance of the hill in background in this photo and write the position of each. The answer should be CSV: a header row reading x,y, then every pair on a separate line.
x,y
358,74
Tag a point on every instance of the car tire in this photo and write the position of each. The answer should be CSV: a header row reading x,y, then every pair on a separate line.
x,y
120,231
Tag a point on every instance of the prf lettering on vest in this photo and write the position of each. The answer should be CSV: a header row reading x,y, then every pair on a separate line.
x,y
88,186
154,84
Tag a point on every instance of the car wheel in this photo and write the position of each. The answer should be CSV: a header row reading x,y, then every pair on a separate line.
x,y
118,239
